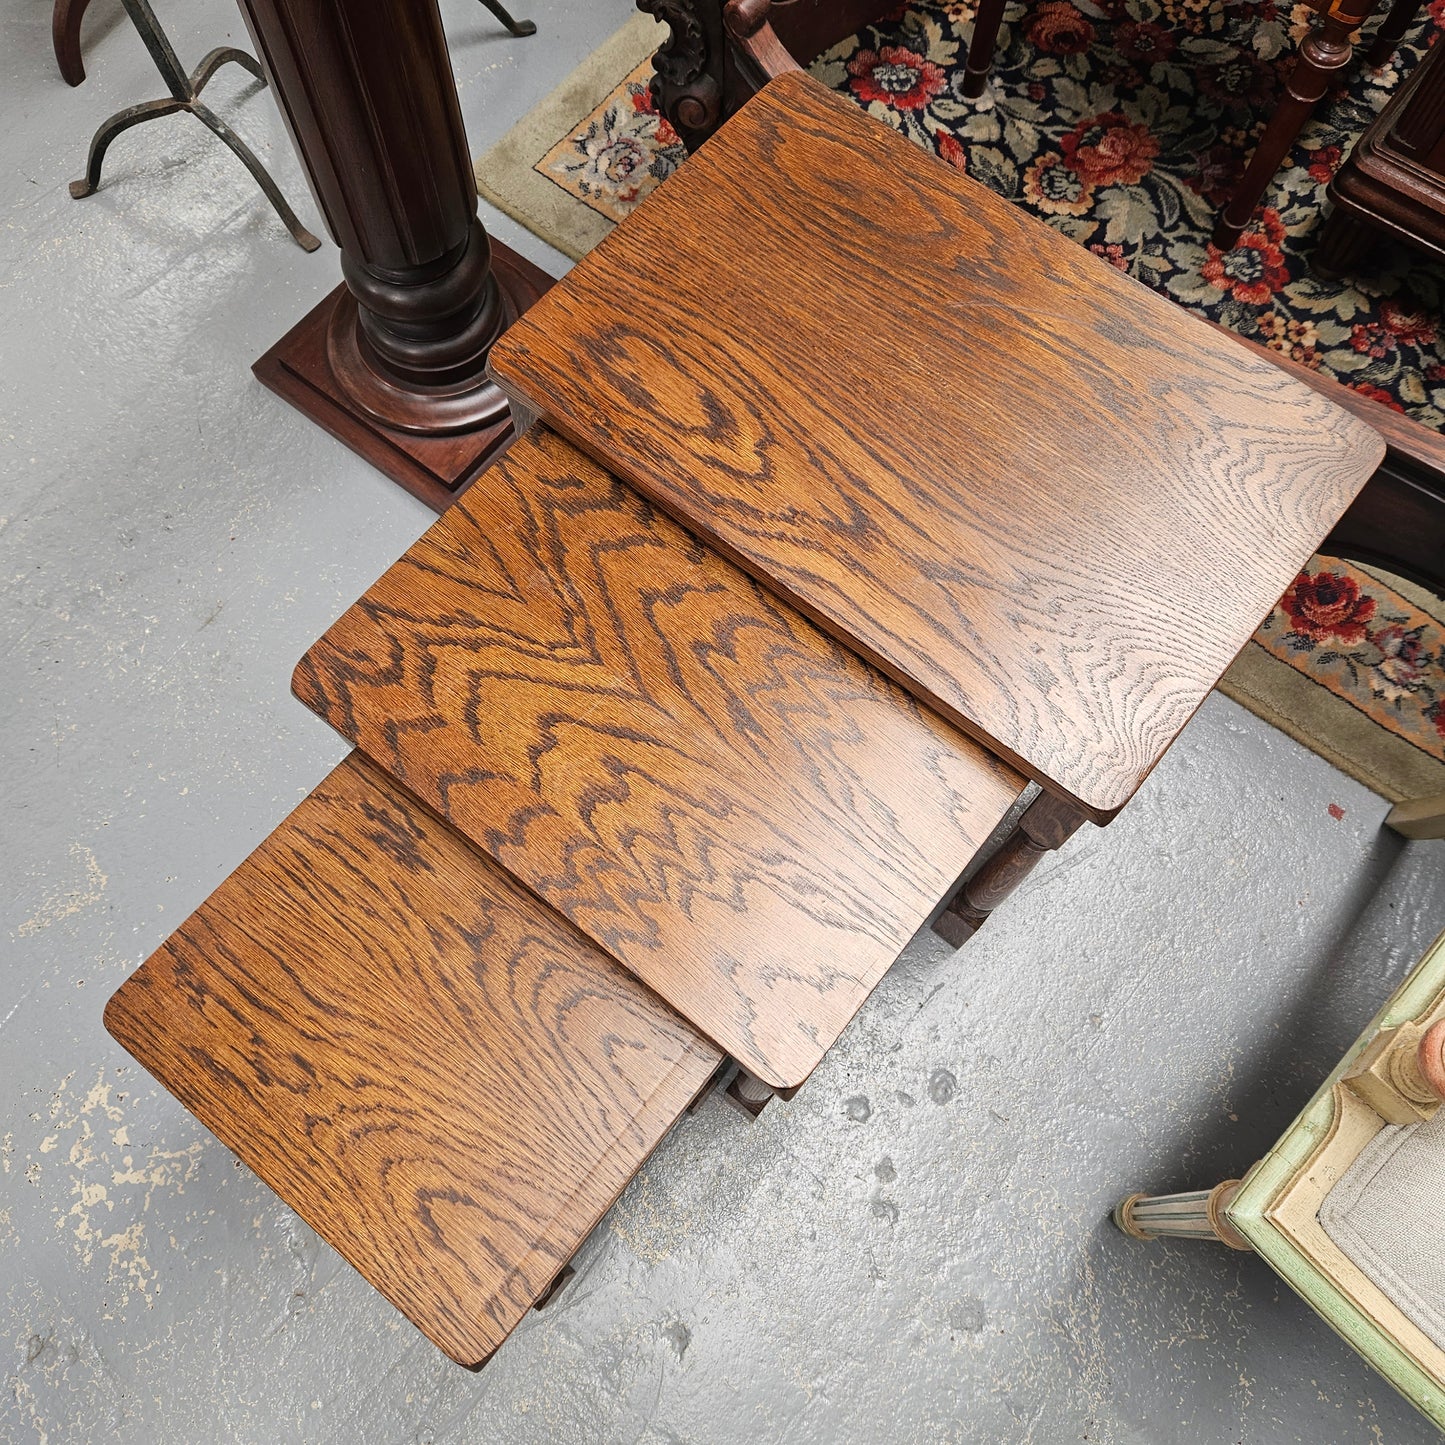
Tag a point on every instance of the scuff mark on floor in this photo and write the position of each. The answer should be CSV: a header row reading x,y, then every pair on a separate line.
x,y
60,906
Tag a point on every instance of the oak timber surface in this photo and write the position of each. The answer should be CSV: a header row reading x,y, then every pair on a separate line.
x,y
1041,497
728,801
440,1075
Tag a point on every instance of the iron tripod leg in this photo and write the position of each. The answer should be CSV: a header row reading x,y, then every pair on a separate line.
x,y
514,27
185,95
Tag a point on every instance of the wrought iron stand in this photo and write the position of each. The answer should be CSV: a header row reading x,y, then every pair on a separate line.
x,y
186,95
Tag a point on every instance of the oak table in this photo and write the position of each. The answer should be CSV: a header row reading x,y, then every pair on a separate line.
x,y
729,803
436,1071
618,806
1039,496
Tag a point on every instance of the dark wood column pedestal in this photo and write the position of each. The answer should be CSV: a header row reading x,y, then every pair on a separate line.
x,y
393,362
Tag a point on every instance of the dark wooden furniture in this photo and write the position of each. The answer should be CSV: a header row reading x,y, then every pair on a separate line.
x,y
438,1073
721,52
1392,183
732,805
65,18
1398,521
392,362
1067,588
1324,53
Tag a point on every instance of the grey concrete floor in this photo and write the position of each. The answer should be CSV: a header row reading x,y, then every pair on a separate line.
x,y
915,1249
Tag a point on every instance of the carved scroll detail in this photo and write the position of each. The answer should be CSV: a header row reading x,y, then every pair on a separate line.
x,y
687,67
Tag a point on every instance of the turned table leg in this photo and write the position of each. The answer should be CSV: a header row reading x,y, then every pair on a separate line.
x,y
1198,1214
981,46
1401,17
1047,823
393,362
1323,53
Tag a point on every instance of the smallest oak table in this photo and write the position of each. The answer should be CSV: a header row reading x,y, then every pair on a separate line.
x,y
439,1074
1038,495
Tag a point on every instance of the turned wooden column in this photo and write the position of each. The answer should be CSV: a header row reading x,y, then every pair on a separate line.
x,y
1047,823
394,361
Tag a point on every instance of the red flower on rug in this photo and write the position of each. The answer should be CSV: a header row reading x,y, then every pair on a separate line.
x,y
1057,28
900,78
644,103
1323,163
1107,150
1372,339
1413,328
1112,253
1219,170
1144,43
1242,82
1255,269
1375,393
1404,662
952,151
1328,605
1056,189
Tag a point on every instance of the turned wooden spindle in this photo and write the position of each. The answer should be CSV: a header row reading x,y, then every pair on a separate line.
x,y
749,1094
1323,54
1047,823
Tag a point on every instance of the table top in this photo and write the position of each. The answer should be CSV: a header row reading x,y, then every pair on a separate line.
x,y
729,802
1044,499
442,1077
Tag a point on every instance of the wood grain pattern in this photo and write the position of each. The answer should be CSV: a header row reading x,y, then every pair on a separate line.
x,y
1398,521
441,1076
1038,495
730,803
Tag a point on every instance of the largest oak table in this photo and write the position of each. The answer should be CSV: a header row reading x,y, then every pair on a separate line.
x,y
1041,497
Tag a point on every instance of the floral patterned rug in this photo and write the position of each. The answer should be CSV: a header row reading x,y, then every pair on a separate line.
x,y
1351,634
1123,124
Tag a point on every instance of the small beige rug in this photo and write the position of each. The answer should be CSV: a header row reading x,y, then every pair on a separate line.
x,y
1352,664
581,159
1352,661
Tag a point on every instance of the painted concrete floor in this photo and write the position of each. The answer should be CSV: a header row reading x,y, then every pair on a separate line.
x,y
915,1249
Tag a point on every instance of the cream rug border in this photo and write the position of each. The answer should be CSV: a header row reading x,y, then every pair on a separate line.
x,y
505,174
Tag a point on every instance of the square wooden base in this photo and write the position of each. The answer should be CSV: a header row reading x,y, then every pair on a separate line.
x,y
437,469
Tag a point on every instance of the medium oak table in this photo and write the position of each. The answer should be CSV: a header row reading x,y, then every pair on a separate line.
x,y
729,803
